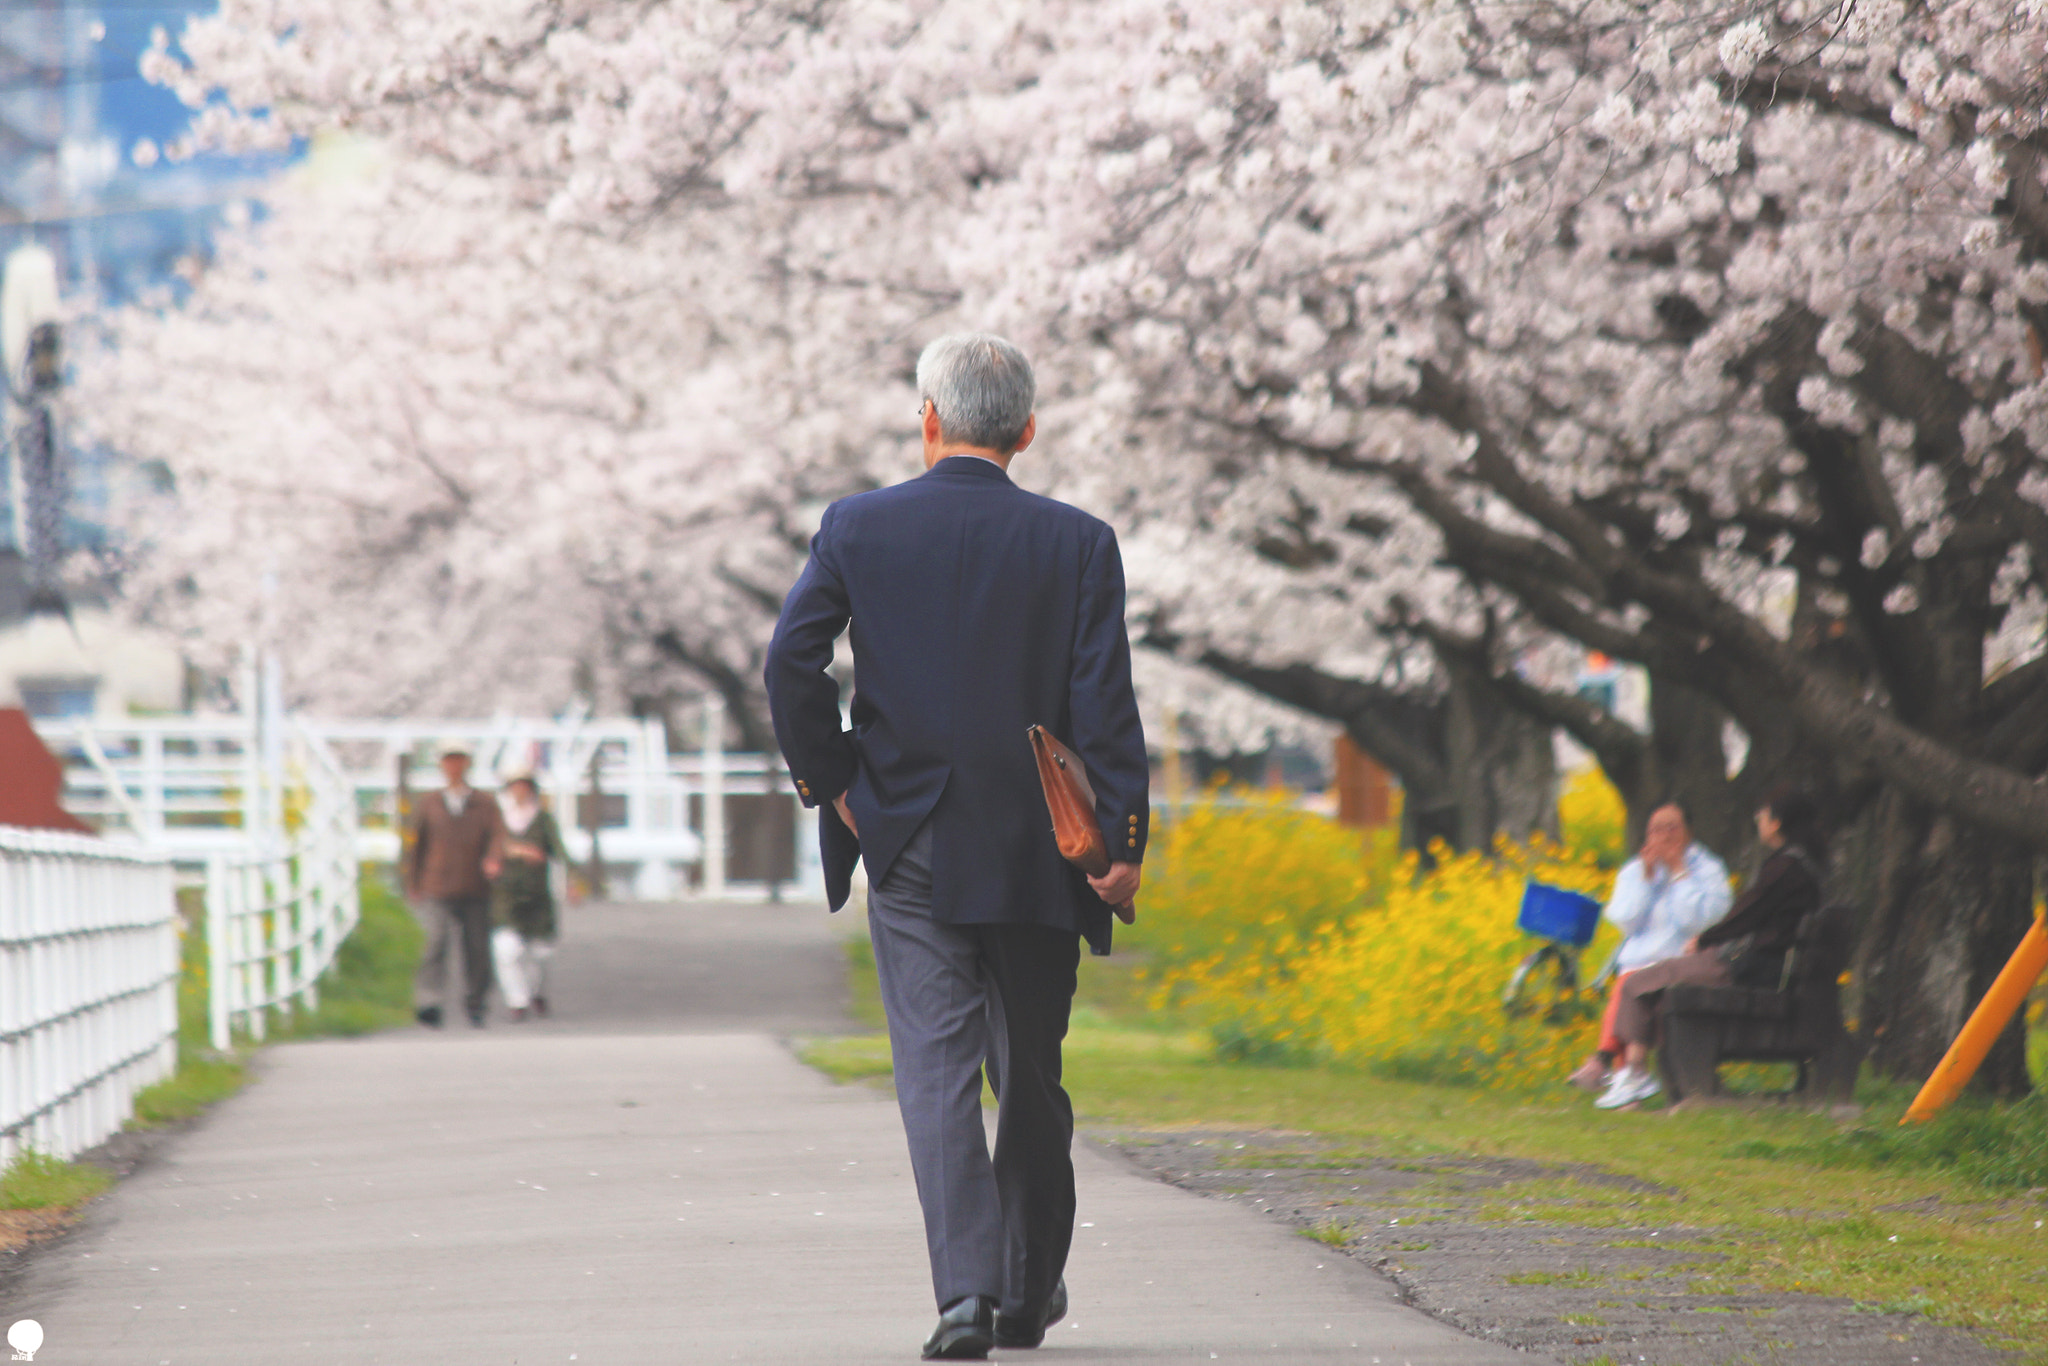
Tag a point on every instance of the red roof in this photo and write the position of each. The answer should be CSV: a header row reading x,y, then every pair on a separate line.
x,y
31,779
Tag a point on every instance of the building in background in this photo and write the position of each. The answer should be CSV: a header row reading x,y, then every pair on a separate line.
x,y
82,169
83,176
1364,789
87,664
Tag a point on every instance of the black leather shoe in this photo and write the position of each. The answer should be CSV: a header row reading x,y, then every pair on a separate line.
x,y
966,1331
1021,1330
430,1016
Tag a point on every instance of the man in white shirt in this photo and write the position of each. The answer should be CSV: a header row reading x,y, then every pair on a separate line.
x,y
1666,894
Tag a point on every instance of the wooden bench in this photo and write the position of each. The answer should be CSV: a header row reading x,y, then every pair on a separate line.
x,y
1800,1022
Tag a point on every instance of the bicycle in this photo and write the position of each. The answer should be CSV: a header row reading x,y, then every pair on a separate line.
x,y
1547,980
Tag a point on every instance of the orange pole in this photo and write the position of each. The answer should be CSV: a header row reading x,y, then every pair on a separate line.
x,y
1986,1022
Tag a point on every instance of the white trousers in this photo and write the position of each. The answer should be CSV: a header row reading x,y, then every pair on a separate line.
x,y
522,965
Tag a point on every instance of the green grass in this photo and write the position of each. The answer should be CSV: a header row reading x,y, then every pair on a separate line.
x,y
1776,1198
1785,1222
35,1180
369,986
2037,1039
850,1057
864,992
203,1077
2000,1146
1572,1278
1330,1234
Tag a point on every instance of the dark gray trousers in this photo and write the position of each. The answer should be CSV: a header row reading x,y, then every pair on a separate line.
x,y
961,999
463,924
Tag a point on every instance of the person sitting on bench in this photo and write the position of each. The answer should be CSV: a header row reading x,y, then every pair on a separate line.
x,y
1662,897
1746,947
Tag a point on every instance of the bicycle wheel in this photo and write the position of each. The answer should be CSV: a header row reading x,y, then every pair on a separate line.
x,y
1545,983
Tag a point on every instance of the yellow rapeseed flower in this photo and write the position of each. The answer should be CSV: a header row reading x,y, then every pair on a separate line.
x,y
1279,929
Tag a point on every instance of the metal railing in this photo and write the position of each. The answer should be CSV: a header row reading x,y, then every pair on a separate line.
x,y
276,913
88,987
644,816
200,787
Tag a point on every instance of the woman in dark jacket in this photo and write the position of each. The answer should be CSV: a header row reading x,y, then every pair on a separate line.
x,y
1745,947
522,902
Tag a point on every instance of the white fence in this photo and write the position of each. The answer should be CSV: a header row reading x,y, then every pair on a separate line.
x,y
88,987
198,786
277,912
273,815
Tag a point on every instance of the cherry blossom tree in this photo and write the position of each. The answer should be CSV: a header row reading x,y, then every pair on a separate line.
x,y
1711,342
1413,343
439,453
768,318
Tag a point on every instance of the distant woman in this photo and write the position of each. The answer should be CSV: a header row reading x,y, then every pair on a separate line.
x,y
1746,947
522,899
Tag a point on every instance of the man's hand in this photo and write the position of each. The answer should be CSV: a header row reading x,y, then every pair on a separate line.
x,y
1118,885
1666,839
845,814
493,866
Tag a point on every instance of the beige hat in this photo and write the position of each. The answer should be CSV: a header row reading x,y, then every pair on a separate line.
x,y
450,745
517,773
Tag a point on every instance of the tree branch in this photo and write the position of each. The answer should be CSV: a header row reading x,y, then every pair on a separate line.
x,y
740,704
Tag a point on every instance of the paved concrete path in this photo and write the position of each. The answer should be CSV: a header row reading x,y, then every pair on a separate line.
x,y
642,1180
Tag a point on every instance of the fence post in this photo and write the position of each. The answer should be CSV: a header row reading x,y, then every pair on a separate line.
x,y
219,959
714,796
594,821
153,784
261,907
653,810
276,914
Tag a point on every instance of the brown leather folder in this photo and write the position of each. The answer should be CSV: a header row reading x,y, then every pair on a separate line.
x,y
1071,801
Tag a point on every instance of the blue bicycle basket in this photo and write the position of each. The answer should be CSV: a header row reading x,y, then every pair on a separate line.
x,y
1554,913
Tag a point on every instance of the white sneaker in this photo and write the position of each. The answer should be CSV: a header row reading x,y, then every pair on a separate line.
x,y
1628,1086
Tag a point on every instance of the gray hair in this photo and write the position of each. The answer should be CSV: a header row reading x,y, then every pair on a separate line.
x,y
981,387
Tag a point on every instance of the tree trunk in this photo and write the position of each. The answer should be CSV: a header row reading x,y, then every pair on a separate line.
x,y
1948,904
1684,759
744,704
1472,762
1502,766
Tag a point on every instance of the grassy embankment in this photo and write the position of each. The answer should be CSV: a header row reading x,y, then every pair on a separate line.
x,y
369,987
1174,1033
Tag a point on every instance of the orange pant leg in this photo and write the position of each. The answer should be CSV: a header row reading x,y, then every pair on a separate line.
x,y
1608,1042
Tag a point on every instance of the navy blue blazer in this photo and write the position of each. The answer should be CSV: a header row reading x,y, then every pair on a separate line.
x,y
977,610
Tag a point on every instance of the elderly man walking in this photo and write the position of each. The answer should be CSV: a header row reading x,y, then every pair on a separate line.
x,y
978,610
457,836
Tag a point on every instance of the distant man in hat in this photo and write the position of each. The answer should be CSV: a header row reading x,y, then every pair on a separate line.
x,y
457,847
